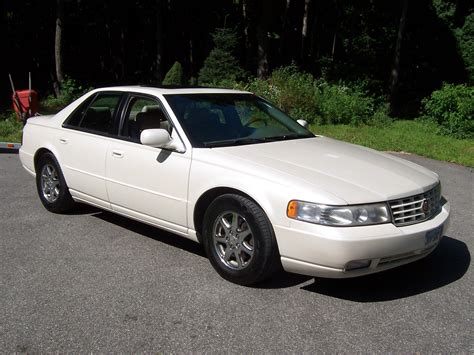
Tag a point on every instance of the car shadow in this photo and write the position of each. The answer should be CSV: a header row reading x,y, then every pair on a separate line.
x,y
448,263
83,209
282,279
148,231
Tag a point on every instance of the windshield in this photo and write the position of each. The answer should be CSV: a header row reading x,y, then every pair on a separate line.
x,y
215,120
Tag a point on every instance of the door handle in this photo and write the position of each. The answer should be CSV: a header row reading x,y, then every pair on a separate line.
x,y
63,140
117,154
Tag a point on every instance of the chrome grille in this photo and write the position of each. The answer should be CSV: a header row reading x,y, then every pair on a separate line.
x,y
417,208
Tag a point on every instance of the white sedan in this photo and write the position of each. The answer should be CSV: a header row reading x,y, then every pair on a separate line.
x,y
229,170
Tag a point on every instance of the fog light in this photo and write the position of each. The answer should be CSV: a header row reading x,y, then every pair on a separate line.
x,y
357,264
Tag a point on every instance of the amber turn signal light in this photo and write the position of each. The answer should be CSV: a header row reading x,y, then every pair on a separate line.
x,y
292,209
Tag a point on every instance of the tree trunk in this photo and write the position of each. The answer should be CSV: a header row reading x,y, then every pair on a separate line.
x,y
58,50
314,38
263,41
284,28
304,30
395,75
248,15
122,55
159,72
333,50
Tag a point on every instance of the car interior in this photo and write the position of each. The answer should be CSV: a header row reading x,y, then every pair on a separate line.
x,y
149,117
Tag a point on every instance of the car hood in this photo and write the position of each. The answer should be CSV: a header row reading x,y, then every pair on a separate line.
x,y
352,173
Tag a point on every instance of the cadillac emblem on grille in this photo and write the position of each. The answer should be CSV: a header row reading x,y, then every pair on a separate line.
x,y
425,206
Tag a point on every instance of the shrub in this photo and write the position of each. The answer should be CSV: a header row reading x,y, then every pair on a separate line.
x,y
340,104
381,117
221,68
10,128
452,108
317,101
70,91
291,90
175,75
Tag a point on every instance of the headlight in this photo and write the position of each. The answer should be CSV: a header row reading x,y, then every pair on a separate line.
x,y
357,215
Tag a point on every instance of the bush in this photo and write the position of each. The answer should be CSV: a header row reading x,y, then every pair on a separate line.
x,y
70,91
452,108
221,68
175,75
291,90
10,128
343,105
317,101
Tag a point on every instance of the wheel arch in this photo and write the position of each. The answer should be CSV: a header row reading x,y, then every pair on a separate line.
x,y
206,199
43,150
40,152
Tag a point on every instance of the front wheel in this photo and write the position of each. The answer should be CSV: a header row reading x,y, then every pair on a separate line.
x,y
239,240
51,186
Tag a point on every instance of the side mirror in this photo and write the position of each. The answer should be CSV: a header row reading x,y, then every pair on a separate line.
x,y
160,138
303,123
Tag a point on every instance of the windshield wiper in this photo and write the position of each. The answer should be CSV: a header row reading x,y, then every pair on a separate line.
x,y
287,137
230,142
250,140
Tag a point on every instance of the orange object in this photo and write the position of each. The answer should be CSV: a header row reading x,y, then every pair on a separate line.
x,y
24,102
292,209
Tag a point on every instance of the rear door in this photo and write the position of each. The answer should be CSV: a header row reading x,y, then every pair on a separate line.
x,y
145,182
83,145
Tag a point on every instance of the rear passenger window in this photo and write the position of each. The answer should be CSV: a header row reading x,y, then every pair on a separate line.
x,y
97,115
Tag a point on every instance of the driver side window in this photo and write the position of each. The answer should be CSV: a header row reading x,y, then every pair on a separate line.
x,y
143,113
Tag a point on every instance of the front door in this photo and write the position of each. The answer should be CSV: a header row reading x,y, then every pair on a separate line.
x,y
144,182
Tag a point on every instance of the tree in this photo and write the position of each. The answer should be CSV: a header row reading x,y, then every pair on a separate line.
x,y
58,47
395,76
221,65
304,29
263,41
174,76
160,18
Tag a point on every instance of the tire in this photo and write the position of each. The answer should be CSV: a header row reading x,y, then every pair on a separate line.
x,y
51,185
239,240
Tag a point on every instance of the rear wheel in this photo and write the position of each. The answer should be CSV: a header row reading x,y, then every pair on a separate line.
x,y
51,186
239,240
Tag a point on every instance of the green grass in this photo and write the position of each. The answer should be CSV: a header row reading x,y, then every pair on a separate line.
x,y
405,136
10,128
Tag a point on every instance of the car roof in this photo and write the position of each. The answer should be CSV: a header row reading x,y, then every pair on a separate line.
x,y
170,90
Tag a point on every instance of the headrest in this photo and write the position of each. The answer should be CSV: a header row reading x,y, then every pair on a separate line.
x,y
151,108
147,120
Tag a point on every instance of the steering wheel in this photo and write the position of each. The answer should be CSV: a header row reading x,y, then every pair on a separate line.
x,y
255,119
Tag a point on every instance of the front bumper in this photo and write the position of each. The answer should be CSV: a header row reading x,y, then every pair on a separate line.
x,y
323,251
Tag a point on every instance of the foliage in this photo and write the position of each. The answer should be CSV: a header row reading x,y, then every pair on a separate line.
x,y
452,107
303,96
463,31
10,128
342,104
465,38
418,137
221,67
70,91
175,75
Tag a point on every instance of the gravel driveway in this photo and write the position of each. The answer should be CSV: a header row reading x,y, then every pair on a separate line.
x,y
94,281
